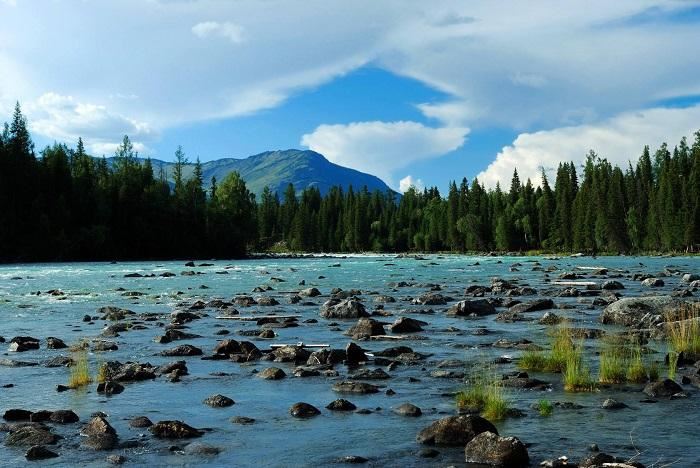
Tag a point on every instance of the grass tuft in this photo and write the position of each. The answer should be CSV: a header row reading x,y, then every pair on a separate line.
x,y
613,364
555,360
484,395
80,370
545,407
577,377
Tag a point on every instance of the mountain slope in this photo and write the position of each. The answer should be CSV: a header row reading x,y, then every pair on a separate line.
x,y
276,169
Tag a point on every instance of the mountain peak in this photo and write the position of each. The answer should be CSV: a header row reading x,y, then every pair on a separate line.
x,y
278,168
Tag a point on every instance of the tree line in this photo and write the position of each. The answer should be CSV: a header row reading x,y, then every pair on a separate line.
x,y
64,204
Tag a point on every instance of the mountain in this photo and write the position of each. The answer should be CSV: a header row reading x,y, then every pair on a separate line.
x,y
276,169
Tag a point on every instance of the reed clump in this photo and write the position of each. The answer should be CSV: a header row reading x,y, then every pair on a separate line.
x,y
562,347
80,370
484,395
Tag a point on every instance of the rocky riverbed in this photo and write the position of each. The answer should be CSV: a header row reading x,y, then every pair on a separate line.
x,y
322,361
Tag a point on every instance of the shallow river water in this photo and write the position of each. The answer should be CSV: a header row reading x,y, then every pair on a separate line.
x,y
659,433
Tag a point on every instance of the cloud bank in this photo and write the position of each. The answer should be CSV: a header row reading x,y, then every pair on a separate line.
x,y
619,140
382,147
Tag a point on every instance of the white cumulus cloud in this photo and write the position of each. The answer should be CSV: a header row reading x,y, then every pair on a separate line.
x,y
227,30
63,118
382,147
619,139
407,182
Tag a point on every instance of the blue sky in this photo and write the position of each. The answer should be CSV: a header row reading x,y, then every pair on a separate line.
x,y
412,92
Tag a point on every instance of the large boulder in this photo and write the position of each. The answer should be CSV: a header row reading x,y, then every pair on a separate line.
x,y
455,430
638,311
473,307
366,327
100,434
343,309
488,448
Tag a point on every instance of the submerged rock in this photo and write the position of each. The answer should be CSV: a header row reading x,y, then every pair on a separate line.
x,y
349,386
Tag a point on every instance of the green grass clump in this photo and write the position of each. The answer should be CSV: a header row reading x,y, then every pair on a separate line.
x,y
102,373
576,376
484,395
80,370
638,371
683,330
613,364
672,364
554,360
545,407
495,406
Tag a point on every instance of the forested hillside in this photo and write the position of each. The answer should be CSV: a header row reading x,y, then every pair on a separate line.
x,y
63,204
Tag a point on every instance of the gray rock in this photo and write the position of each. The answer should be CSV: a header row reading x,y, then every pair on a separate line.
x,y
407,325
408,409
343,309
218,401
638,311
454,430
690,277
549,318
309,292
174,430
612,404
27,436
472,307
303,410
341,405
182,350
55,343
39,452
349,386
612,285
272,373
662,388
366,327
489,449
653,283
140,422
532,306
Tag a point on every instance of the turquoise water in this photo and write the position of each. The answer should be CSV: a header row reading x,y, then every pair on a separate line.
x,y
661,432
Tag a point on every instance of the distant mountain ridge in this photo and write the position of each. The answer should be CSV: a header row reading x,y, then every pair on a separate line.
x,y
277,169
